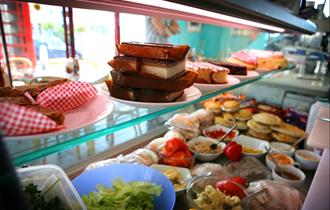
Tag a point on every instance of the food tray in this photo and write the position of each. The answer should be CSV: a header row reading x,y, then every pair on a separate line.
x,y
46,175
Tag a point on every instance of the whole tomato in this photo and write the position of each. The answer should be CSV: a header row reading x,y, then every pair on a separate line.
x,y
233,151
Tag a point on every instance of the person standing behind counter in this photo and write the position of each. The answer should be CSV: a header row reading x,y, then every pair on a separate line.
x,y
158,30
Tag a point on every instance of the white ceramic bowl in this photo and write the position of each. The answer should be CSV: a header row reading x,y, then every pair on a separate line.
x,y
307,159
184,173
220,128
271,165
204,156
287,170
247,141
282,148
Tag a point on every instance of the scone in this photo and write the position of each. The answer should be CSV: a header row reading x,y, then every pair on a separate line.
x,y
231,106
258,127
243,114
259,135
267,118
283,137
289,129
213,106
229,118
219,120
241,125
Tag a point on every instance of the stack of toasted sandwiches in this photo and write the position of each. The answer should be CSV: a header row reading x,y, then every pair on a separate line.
x,y
149,72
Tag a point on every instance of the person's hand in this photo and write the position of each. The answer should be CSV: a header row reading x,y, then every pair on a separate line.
x,y
174,27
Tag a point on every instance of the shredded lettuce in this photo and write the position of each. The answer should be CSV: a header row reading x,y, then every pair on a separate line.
x,y
136,195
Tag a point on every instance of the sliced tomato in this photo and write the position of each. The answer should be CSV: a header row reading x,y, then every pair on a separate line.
x,y
174,145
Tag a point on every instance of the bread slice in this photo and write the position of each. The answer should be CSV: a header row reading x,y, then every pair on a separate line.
x,y
150,68
249,67
208,73
234,68
136,81
161,69
58,117
34,90
153,51
125,64
143,95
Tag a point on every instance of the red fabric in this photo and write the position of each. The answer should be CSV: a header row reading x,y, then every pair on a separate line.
x,y
66,96
18,120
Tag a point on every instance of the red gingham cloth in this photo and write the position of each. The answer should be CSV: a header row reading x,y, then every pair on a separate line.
x,y
66,96
18,120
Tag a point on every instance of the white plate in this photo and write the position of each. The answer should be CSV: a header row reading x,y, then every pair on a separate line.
x,y
189,94
250,75
91,112
214,87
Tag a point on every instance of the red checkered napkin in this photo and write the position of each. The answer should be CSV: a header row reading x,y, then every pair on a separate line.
x,y
18,120
66,96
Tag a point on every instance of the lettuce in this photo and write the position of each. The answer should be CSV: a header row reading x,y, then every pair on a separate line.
x,y
136,195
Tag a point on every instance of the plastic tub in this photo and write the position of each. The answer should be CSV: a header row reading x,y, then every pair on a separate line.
x,y
45,176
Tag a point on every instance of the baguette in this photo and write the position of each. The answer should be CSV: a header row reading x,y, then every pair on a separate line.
x,y
142,95
153,51
173,84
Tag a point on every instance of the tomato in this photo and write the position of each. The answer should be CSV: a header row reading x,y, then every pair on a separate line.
x,y
239,180
228,145
180,158
174,145
230,188
233,151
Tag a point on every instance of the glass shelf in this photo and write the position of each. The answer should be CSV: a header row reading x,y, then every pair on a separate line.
x,y
124,116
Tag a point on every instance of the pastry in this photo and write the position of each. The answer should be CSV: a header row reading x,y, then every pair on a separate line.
x,y
213,106
270,109
153,50
244,58
151,68
208,73
258,127
220,120
270,60
135,81
143,95
241,125
257,135
283,137
234,68
289,129
229,118
243,114
267,118
231,106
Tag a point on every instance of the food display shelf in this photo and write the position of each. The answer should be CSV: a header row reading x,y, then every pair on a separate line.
x,y
26,150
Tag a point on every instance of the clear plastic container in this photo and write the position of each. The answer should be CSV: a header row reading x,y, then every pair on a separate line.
x,y
45,176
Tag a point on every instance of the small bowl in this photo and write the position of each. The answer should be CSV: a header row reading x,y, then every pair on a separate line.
x,y
198,184
184,173
222,131
282,148
271,165
289,172
253,143
206,156
307,159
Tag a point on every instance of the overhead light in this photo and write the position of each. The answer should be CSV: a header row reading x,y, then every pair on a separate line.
x,y
209,14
